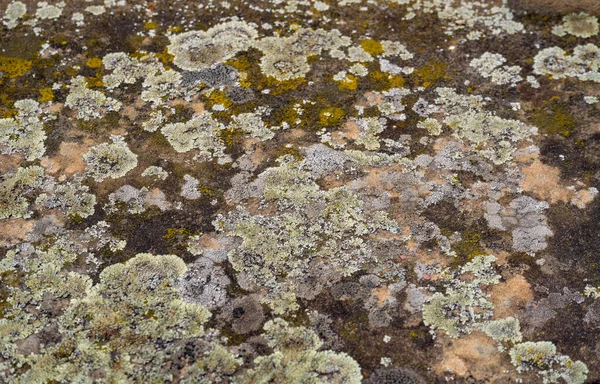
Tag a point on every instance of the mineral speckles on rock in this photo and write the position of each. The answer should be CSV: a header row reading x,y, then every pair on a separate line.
x,y
297,191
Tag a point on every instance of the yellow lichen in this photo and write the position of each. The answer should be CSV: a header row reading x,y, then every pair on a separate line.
x,y
14,67
218,98
150,25
371,46
431,73
277,87
46,94
349,84
95,81
165,56
94,62
330,117
383,81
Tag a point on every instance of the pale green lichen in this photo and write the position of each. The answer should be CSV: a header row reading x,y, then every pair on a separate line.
x,y
161,87
24,133
491,65
112,160
71,198
95,10
506,330
370,127
390,102
16,189
285,58
201,133
577,24
296,359
100,233
47,11
583,64
317,237
133,305
125,69
542,358
155,171
195,50
464,302
433,127
493,136
591,291
253,124
89,103
15,11
156,120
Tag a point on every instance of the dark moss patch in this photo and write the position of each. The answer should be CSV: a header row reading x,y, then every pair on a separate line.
x,y
576,241
554,117
576,158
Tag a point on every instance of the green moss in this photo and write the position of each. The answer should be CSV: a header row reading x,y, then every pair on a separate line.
x,y
285,150
287,113
277,87
431,73
554,118
349,332
150,25
231,137
381,81
468,247
519,258
330,117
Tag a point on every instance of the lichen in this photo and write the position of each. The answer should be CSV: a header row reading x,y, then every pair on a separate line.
x,y
542,357
14,11
132,305
296,358
155,171
464,302
506,330
584,64
324,177
72,198
14,66
278,252
112,160
577,24
195,50
24,133
89,103
491,65
492,135
16,189
201,134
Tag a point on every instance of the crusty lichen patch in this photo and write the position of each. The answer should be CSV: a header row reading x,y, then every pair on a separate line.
x,y
296,191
